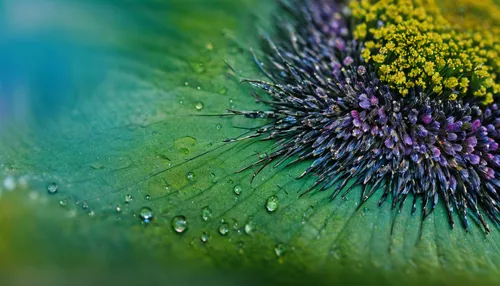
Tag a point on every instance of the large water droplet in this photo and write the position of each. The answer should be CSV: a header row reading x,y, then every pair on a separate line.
x,y
52,188
272,203
146,214
204,237
224,228
199,105
206,213
280,249
179,224
184,144
237,190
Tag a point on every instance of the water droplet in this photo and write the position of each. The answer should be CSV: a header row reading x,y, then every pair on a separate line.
x,y
223,91
128,198
249,227
280,249
272,203
179,224
199,105
52,188
85,205
184,144
63,203
146,214
204,237
224,228
209,46
147,197
190,176
91,213
118,208
237,190
218,126
206,213
9,184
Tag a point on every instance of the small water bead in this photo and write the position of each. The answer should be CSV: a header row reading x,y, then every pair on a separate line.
x,y
206,213
63,203
85,205
91,213
237,190
118,208
204,237
224,228
199,105
272,203
9,183
280,249
146,214
179,224
190,176
147,197
249,227
218,126
128,198
52,188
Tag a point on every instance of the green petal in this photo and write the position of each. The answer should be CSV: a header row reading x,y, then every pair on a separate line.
x,y
134,116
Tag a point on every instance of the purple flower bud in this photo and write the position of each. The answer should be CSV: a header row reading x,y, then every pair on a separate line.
x,y
389,143
474,159
407,140
365,104
426,119
453,183
452,137
493,146
348,61
475,125
471,141
435,152
355,114
374,100
414,157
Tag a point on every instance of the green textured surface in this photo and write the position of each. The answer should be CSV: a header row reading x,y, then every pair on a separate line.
x,y
136,129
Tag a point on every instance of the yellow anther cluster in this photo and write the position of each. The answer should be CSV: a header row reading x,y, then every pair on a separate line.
x,y
416,43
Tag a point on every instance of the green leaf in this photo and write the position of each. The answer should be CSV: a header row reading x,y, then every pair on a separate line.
x,y
127,118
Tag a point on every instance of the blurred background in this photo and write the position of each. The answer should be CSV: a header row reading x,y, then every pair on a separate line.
x,y
108,136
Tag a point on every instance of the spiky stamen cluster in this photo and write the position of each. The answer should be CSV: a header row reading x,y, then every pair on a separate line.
x,y
329,106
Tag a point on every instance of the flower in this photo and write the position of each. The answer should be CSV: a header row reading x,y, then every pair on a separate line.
x,y
329,105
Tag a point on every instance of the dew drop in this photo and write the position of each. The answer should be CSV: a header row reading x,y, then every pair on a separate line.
x,y
146,214
249,227
237,190
147,197
199,105
218,126
128,198
206,213
223,91
190,176
179,224
280,249
85,205
204,237
63,203
9,184
224,228
118,208
272,203
52,188
91,213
